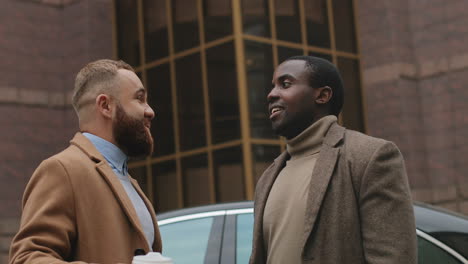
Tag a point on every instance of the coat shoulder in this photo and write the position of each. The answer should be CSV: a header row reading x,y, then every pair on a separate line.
x,y
361,146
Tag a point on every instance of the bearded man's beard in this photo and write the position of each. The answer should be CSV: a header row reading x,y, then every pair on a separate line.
x,y
131,134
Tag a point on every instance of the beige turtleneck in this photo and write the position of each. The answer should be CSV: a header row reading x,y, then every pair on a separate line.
x,y
283,220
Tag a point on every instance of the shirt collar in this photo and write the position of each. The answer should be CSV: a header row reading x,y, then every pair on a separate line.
x,y
114,155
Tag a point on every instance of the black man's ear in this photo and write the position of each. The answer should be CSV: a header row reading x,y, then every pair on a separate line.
x,y
325,94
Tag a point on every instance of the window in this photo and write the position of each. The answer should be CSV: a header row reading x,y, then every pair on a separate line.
x,y
244,234
187,241
428,253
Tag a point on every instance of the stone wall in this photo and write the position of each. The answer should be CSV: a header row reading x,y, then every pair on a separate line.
x,y
43,44
415,69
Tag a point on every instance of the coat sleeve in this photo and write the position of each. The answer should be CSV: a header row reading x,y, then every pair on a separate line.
x,y
386,211
47,231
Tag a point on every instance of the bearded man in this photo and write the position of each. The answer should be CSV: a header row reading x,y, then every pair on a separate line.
x,y
80,205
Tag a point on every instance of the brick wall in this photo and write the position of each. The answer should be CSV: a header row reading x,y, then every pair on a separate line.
x,y
415,68
42,46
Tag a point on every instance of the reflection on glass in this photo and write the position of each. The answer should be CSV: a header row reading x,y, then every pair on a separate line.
x,y
185,24
155,20
244,234
263,156
196,181
190,102
328,57
229,175
217,18
288,21
343,16
256,17
127,27
285,53
222,84
160,99
165,186
259,68
317,23
139,174
352,109
186,242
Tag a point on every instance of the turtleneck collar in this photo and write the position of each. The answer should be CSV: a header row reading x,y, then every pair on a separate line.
x,y
309,141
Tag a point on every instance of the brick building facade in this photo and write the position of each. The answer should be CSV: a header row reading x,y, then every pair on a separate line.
x,y
414,63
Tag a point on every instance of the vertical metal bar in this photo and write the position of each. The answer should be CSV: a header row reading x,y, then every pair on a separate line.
x,y
179,180
303,26
271,15
243,98
141,37
358,50
206,99
141,33
331,25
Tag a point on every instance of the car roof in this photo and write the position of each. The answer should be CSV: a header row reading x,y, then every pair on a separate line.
x,y
429,218
206,208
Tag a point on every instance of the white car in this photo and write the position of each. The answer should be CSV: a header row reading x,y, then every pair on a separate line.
x,y
222,233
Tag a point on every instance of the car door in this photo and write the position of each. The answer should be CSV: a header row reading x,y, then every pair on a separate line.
x,y
433,251
237,240
238,232
192,239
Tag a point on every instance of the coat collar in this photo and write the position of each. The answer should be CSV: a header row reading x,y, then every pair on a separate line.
x,y
321,176
113,181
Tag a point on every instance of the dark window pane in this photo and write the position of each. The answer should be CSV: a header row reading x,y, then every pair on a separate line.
x,y
217,18
156,39
318,33
288,23
165,187
244,234
343,16
263,156
127,27
229,174
259,68
328,57
256,17
139,174
455,240
185,23
196,180
285,53
222,83
352,109
160,99
186,242
429,253
190,102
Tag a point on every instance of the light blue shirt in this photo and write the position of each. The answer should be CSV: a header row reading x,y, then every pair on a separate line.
x,y
118,162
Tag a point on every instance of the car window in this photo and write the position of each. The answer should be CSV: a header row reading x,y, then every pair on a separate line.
x,y
244,232
428,253
456,240
186,241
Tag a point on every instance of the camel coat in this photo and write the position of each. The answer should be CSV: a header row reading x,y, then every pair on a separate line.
x,y
359,204
76,210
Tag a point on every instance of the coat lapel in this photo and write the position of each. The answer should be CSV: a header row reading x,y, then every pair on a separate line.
x,y
321,176
114,183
